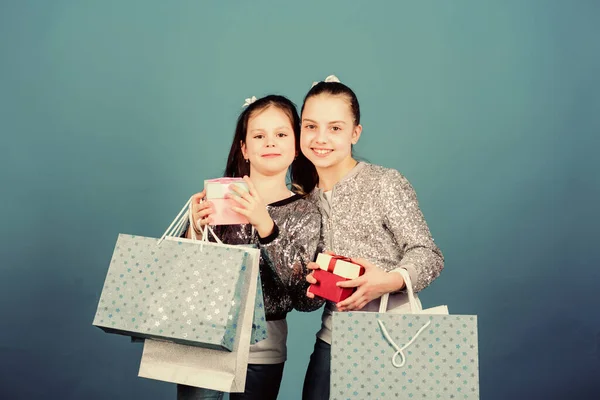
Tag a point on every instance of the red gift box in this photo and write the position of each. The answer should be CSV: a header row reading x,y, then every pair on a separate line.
x,y
326,286
327,279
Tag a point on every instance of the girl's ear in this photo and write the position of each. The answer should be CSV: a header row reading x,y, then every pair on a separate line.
x,y
356,133
244,151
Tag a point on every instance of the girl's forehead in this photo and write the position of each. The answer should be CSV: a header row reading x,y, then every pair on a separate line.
x,y
268,117
325,105
268,113
327,98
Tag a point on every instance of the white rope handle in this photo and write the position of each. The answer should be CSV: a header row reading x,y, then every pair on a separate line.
x,y
176,227
178,230
414,306
205,231
176,222
400,350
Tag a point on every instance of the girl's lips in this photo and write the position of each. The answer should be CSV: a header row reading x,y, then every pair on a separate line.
x,y
321,152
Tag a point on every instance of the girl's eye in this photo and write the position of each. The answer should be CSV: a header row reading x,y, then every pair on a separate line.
x,y
310,126
281,134
258,136
336,128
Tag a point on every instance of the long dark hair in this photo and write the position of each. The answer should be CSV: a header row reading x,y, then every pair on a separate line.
x,y
333,89
237,165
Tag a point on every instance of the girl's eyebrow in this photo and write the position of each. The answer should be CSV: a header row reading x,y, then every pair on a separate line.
x,y
332,122
282,127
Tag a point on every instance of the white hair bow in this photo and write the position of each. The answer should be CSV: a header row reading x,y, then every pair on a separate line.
x,y
249,101
330,78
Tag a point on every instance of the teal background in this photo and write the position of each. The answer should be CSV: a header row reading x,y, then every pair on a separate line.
x,y
112,113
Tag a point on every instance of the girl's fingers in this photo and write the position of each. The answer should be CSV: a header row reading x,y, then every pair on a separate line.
x,y
251,187
240,210
362,305
312,265
201,206
202,222
248,196
354,300
204,213
241,201
197,198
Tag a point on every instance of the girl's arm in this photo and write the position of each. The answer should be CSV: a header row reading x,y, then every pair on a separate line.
x,y
422,259
288,254
312,246
402,216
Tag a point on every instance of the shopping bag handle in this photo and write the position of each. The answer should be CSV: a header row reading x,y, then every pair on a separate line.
x,y
414,306
400,350
414,309
177,225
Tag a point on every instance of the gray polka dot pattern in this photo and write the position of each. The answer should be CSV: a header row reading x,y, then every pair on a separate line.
x,y
441,362
259,322
178,291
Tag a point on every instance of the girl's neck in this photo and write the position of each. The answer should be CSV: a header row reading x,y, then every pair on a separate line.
x,y
329,176
270,188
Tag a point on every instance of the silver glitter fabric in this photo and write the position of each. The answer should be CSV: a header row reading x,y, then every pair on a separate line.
x,y
374,214
284,259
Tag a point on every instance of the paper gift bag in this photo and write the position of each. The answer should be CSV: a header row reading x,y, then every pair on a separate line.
x,y
398,356
216,189
176,289
202,367
334,269
259,322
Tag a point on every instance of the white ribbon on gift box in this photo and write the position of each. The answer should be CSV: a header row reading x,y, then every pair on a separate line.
x,y
217,190
342,268
415,309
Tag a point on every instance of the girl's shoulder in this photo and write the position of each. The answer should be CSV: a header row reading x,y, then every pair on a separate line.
x,y
296,214
297,204
383,176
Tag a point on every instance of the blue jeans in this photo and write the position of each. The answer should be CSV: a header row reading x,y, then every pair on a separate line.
x,y
262,382
316,381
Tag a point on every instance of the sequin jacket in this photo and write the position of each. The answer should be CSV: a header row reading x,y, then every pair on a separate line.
x,y
374,214
284,258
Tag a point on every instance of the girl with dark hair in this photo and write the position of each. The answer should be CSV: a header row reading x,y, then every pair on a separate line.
x,y
282,223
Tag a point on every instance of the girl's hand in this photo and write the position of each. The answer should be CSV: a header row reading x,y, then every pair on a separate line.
x,y
201,211
252,207
310,277
373,284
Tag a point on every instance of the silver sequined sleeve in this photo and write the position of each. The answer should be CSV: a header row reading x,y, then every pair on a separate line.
x,y
404,219
296,245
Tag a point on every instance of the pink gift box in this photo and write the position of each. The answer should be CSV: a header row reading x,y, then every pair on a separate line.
x,y
216,189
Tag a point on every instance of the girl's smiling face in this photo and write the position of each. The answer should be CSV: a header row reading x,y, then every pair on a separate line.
x,y
328,130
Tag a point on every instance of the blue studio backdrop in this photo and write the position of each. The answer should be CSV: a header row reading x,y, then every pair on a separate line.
x,y
112,113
